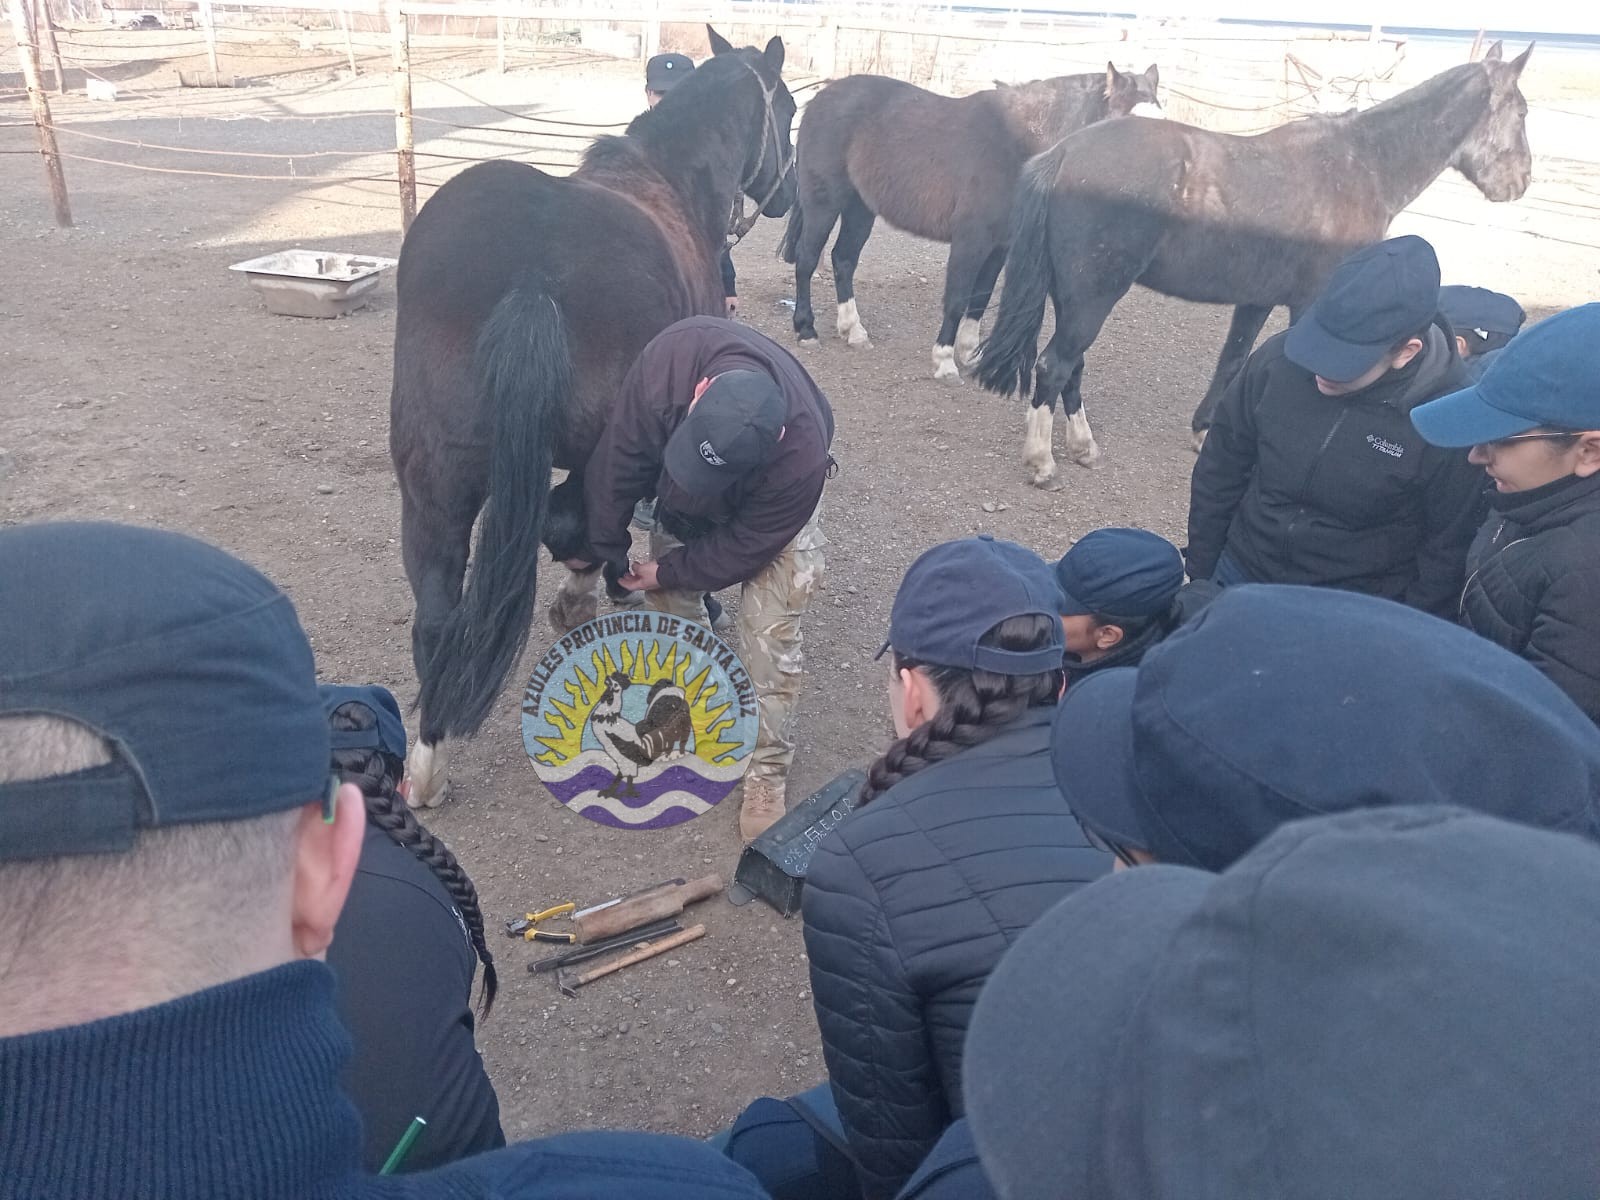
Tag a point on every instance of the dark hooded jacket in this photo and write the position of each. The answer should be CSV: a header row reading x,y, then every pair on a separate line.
x,y
1298,487
727,538
1533,583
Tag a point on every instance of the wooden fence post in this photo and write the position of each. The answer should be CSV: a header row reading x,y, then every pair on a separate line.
x,y
45,34
650,42
500,41
29,54
405,146
349,48
209,24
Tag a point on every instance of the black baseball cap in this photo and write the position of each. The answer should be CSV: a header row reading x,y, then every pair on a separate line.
x,y
388,732
958,591
1128,573
1375,297
1547,377
665,71
732,429
189,662
1480,309
1277,703
1396,1003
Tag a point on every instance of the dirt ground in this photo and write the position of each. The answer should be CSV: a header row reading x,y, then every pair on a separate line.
x,y
141,381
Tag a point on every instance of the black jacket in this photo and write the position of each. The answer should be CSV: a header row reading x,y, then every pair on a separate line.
x,y
405,971
1304,488
1533,583
908,906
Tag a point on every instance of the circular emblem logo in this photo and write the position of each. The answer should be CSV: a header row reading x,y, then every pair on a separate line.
x,y
639,720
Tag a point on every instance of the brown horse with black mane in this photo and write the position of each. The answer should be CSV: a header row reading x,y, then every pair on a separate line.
x,y
523,298
937,167
1254,222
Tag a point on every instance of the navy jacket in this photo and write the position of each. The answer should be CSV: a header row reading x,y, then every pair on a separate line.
x,y
404,969
1304,488
234,1092
1533,583
908,906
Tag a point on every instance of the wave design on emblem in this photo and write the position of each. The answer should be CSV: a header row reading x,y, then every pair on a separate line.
x,y
693,765
671,797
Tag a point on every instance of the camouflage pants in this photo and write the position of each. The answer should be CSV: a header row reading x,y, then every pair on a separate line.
x,y
770,644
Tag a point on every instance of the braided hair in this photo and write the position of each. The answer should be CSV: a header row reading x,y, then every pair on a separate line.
x,y
974,706
378,775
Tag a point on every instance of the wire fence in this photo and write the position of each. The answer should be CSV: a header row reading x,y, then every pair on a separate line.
x,y
1244,93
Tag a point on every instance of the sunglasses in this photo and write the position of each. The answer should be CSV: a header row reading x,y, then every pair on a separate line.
x,y
1529,437
1122,855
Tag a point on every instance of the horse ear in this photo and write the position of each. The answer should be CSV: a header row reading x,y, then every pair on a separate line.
x,y
774,54
1520,61
1492,54
719,44
1111,79
1153,75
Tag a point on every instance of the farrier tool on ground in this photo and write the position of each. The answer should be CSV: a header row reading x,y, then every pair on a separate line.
x,y
632,938
653,904
569,983
525,927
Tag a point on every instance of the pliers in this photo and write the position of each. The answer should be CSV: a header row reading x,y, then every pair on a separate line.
x,y
526,926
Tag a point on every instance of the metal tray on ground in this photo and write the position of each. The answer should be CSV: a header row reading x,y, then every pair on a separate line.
x,y
314,283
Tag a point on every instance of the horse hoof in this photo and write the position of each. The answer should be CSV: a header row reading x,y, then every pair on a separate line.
x,y
947,370
1197,439
807,341
568,611
1090,458
430,786
629,600
857,339
1045,479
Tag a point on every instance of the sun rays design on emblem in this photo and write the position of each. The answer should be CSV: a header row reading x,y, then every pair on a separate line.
x,y
711,719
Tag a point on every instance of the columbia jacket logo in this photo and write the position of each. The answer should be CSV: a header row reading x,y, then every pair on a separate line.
x,y
1385,446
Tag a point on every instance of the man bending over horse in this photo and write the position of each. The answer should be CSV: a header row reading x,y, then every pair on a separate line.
x,y
728,431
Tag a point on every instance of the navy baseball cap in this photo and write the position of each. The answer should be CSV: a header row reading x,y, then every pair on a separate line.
x,y
388,733
1480,309
1396,1003
190,663
1277,703
732,429
1547,376
1130,573
665,71
1374,298
958,591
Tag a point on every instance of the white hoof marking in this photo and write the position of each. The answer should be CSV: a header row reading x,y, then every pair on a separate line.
x,y
1036,455
429,783
851,329
944,363
1081,447
967,336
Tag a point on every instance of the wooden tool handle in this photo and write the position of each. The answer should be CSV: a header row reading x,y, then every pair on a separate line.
x,y
642,952
642,910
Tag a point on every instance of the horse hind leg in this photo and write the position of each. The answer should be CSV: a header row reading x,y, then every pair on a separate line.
x,y
1081,446
577,600
820,215
855,227
1056,374
968,333
1243,330
968,256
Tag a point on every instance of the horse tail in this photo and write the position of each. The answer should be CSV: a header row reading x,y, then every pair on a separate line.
x,y
1007,355
792,231
524,377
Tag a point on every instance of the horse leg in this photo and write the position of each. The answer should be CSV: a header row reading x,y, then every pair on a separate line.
x,y
821,213
1081,446
1053,374
967,333
855,226
434,548
967,259
577,600
1242,333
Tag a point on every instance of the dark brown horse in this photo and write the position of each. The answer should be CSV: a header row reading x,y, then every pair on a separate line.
x,y
1250,221
939,168
522,300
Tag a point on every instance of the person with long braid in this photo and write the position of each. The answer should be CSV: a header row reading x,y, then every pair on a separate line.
x,y
404,953
961,840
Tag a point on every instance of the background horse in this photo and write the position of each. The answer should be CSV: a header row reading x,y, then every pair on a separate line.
x,y
522,300
1250,221
939,168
